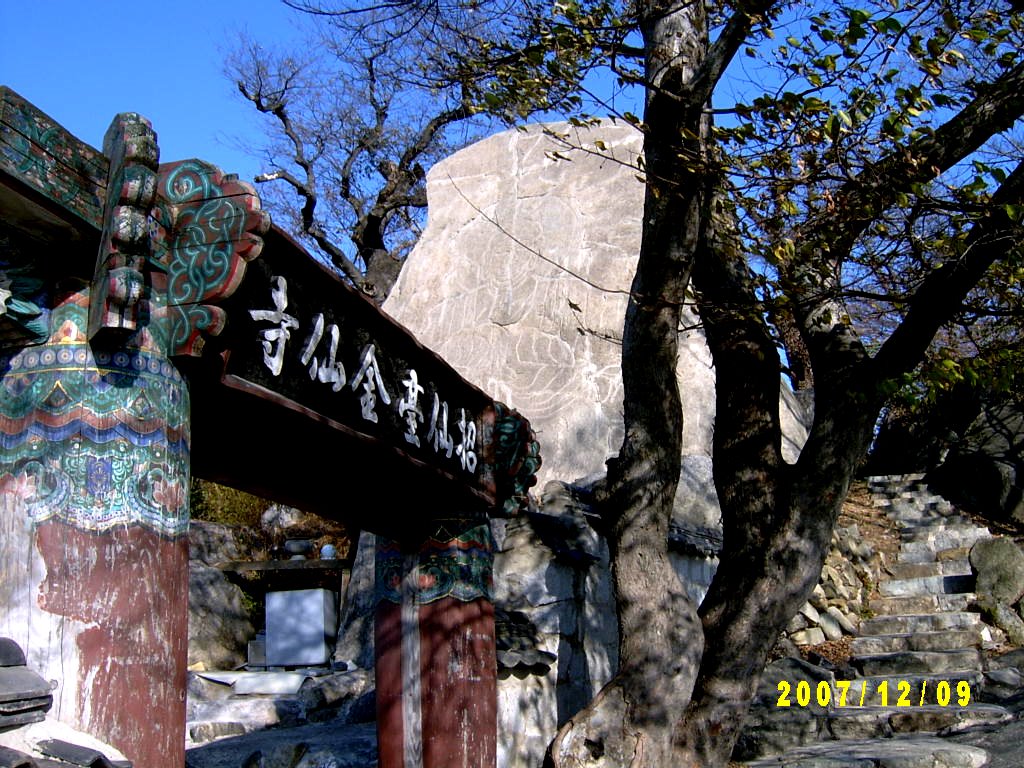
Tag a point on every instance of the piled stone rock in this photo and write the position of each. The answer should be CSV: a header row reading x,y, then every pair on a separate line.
x,y
921,636
851,570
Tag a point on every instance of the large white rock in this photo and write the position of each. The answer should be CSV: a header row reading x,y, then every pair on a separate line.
x,y
520,281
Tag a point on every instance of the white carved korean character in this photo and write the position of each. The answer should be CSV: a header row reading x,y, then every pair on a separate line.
x,y
327,370
409,408
438,435
369,377
275,339
467,448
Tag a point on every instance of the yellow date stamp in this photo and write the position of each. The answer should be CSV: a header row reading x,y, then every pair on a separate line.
x,y
865,692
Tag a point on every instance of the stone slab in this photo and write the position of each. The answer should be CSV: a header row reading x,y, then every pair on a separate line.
x,y
942,640
905,662
918,604
895,625
917,752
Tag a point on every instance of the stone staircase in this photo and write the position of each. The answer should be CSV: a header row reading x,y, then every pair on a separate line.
x,y
916,660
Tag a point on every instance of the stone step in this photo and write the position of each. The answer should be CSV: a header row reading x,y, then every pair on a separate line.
x,y
917,604
890,690
907,623
895,484
960,567
887,480
885,722
909,689
927,552
906,752
904,492
911,491
918,662
925,516
912,503
772,731
921,509
904,689
942,640
927,585
958,532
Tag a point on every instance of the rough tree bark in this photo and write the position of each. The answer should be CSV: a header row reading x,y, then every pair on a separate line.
x,y
631,721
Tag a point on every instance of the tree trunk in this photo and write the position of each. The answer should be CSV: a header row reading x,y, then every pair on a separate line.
x,y
777,518
631,721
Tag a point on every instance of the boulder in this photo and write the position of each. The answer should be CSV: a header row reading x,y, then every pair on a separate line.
x,y
984,468
342,697
213,543
355,633
998,565
219,626
1005,618
520,281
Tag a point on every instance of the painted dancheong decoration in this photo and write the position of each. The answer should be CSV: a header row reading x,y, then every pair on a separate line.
x,y
434,615
95,422
152,326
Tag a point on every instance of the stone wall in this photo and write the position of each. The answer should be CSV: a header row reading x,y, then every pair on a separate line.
x,y
551,569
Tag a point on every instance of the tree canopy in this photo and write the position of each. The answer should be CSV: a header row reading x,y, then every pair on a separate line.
x,y
355,117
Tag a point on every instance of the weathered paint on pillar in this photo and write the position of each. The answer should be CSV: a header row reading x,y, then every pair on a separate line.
x,y
94,419
94,475
434,639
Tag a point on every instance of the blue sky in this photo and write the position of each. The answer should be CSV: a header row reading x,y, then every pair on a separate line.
x,y
83,61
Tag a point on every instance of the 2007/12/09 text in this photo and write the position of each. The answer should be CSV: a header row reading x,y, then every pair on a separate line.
x,y
885,693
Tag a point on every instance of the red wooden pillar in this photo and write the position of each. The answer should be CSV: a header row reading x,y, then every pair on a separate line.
x,y
434,639
95,422
94,477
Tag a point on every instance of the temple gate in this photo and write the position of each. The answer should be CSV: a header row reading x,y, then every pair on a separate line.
x,y
153,325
